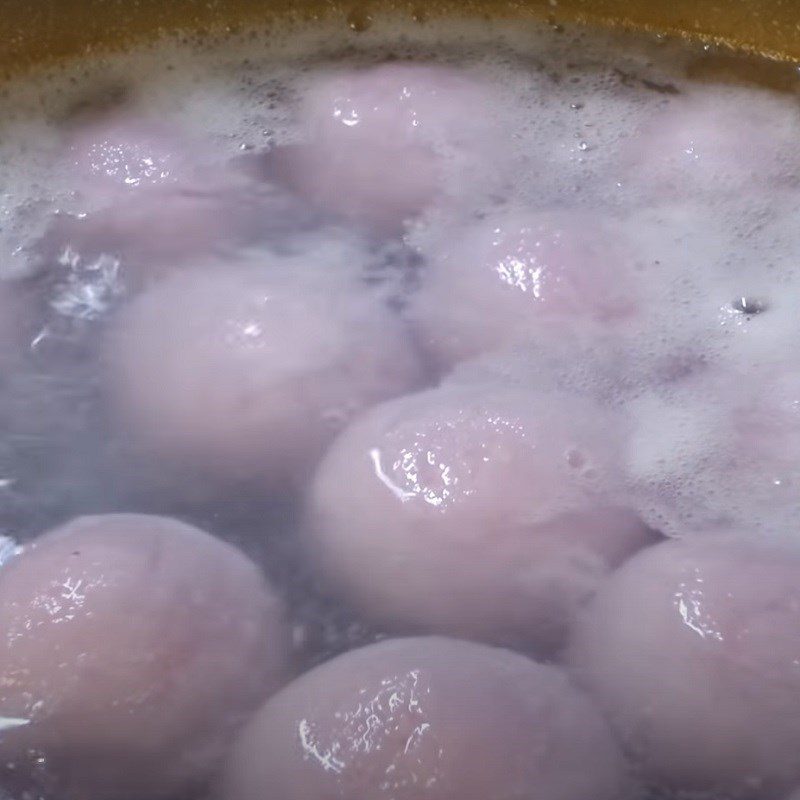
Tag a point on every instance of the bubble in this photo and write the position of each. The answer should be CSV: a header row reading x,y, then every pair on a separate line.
x,y
749,306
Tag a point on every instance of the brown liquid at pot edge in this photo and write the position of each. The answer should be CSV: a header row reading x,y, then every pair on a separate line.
x,y
46,30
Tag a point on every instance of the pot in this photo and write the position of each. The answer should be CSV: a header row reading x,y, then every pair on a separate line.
x,y
36,32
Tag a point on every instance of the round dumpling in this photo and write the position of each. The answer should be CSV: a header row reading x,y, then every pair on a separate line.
x,y
249,373
694,448
712,144
123,153
133,647
473,510
692,648
519,276
433,718
378,137
149,192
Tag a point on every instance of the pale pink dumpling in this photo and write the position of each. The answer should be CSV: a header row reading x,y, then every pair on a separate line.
x,y
133,648
474,511
522,275
377,138
123,154
692,649
712,144
731,425
249,373
150,192
427,718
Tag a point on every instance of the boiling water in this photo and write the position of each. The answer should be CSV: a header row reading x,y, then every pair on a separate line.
x,y
689,173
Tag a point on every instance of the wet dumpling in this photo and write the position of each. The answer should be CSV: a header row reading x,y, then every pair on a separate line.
x,y
712,145
433,718
688,459
150,192
118,155
378,138
519,276
133,647
249,373
692,648
473,510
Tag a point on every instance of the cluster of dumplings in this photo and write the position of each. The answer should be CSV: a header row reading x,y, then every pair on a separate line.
x,y
542,641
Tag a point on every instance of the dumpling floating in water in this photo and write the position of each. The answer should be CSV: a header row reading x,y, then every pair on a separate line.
x,y
518,276
692,649
123,153
430,717
475,511
247,374
149,192
133,647
378,139
688,458
712,144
